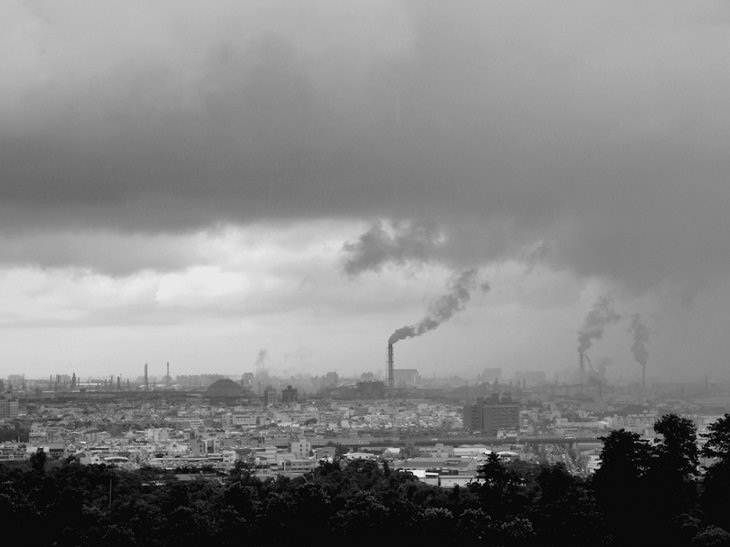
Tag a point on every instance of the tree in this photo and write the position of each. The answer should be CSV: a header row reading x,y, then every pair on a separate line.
x,y
502,489
673,468
436,526
715,495
718,440
624,458
474,527
620,482
712,537
563,511
38,460
677,448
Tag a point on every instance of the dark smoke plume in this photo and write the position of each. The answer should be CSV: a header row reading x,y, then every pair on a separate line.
x,y
600,316
444,307
641,337
402,243
261,358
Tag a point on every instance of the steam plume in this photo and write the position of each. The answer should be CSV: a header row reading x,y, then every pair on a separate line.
x,y
600,316
444,307
603,364
261,358
641,337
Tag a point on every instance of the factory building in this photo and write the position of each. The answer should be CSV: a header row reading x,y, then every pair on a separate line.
x,y
405,377
489,415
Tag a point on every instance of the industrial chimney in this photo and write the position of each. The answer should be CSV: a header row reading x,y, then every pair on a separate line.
x,y
581,368
391,377
146,378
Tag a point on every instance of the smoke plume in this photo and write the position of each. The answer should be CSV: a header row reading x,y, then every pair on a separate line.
x,y
261,358
444,307
641,337
600,316
402,243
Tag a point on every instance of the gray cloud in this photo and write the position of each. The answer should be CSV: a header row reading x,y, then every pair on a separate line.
x,y
109,253
596,129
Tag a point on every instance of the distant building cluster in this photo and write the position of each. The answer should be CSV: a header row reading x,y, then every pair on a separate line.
x,y
273,427
8,407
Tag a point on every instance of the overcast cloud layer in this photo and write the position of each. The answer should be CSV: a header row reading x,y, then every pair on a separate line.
x,y
590,137
599,128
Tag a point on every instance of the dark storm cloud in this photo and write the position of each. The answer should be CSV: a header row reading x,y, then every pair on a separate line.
x,y
597,129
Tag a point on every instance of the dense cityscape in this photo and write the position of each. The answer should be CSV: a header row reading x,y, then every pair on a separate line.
x,y
441,429
441,433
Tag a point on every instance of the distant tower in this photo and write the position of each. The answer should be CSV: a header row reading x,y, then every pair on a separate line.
x,y
391,376
581,368
146,378
167,378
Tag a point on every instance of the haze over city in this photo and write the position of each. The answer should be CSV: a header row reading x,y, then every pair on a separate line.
x,y
511,181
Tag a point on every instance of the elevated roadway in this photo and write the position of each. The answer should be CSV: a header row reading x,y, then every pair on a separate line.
x,y
458,440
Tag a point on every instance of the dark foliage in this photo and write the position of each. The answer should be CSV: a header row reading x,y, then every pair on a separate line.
x,y
643,494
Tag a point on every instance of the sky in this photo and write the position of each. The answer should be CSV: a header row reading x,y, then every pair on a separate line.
x,y
200,183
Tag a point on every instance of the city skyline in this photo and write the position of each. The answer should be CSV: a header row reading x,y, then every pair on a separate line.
x,y
199,184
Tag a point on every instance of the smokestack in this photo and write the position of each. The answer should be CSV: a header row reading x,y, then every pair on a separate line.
x,y
581,368
167,380
146,379
641,338
391,375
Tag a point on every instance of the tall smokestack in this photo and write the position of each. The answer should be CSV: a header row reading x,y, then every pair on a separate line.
x,y
391,375
146,378
581,367
638,348
167,378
